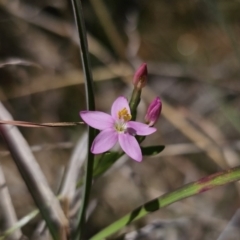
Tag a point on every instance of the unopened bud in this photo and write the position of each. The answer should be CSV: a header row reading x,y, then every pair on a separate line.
x,y
153,111
140,76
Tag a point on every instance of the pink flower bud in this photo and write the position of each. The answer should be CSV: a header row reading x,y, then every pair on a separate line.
x,y
140,76
153,111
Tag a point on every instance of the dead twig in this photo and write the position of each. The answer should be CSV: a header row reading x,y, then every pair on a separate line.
x,y
8,213
34,178
37,125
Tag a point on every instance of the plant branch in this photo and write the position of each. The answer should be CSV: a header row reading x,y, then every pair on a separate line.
x,y
186,191
79,19
34,178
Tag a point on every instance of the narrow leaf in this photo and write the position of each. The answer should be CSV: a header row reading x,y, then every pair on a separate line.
x,y
103,163
188,190
79,19
152,150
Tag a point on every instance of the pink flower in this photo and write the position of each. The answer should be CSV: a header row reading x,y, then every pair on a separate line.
x,y
117,127
153,111
140,76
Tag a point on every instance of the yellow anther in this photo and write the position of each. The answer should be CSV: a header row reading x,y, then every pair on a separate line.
x,y
124,114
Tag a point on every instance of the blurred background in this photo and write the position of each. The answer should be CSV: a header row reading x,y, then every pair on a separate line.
x,y
193,56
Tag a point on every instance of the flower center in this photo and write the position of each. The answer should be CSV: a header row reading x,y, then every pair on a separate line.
x,y
124,115
120,126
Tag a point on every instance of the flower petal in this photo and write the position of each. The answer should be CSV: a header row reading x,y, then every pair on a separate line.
x,y
130,146
96,119
140,76
141,129
105,140
119,104
153,111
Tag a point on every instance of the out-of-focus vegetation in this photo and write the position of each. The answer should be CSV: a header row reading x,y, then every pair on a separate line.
x,y
193,55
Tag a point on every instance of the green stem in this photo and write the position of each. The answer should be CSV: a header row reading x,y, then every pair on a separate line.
x,y
134,101
188,190
79,19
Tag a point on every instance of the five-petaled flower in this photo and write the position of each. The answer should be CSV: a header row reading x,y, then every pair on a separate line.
x,y
117,127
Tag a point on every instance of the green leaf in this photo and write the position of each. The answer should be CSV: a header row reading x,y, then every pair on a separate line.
x,y
104,162
80,24
152,150
188,190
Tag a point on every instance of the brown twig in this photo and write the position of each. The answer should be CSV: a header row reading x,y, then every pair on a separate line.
x,y
6,208
34,178
68,189
72,174
37,125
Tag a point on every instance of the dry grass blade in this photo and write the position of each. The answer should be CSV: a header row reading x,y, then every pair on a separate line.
x,y
68,188
34,178
17,61
201,141
72,175
109,27
232,229
214,133
6,208
36,125
71,78
44,147
35,16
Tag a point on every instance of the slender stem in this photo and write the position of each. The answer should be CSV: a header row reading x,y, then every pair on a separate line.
x,y
188,190
134,102
79,19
